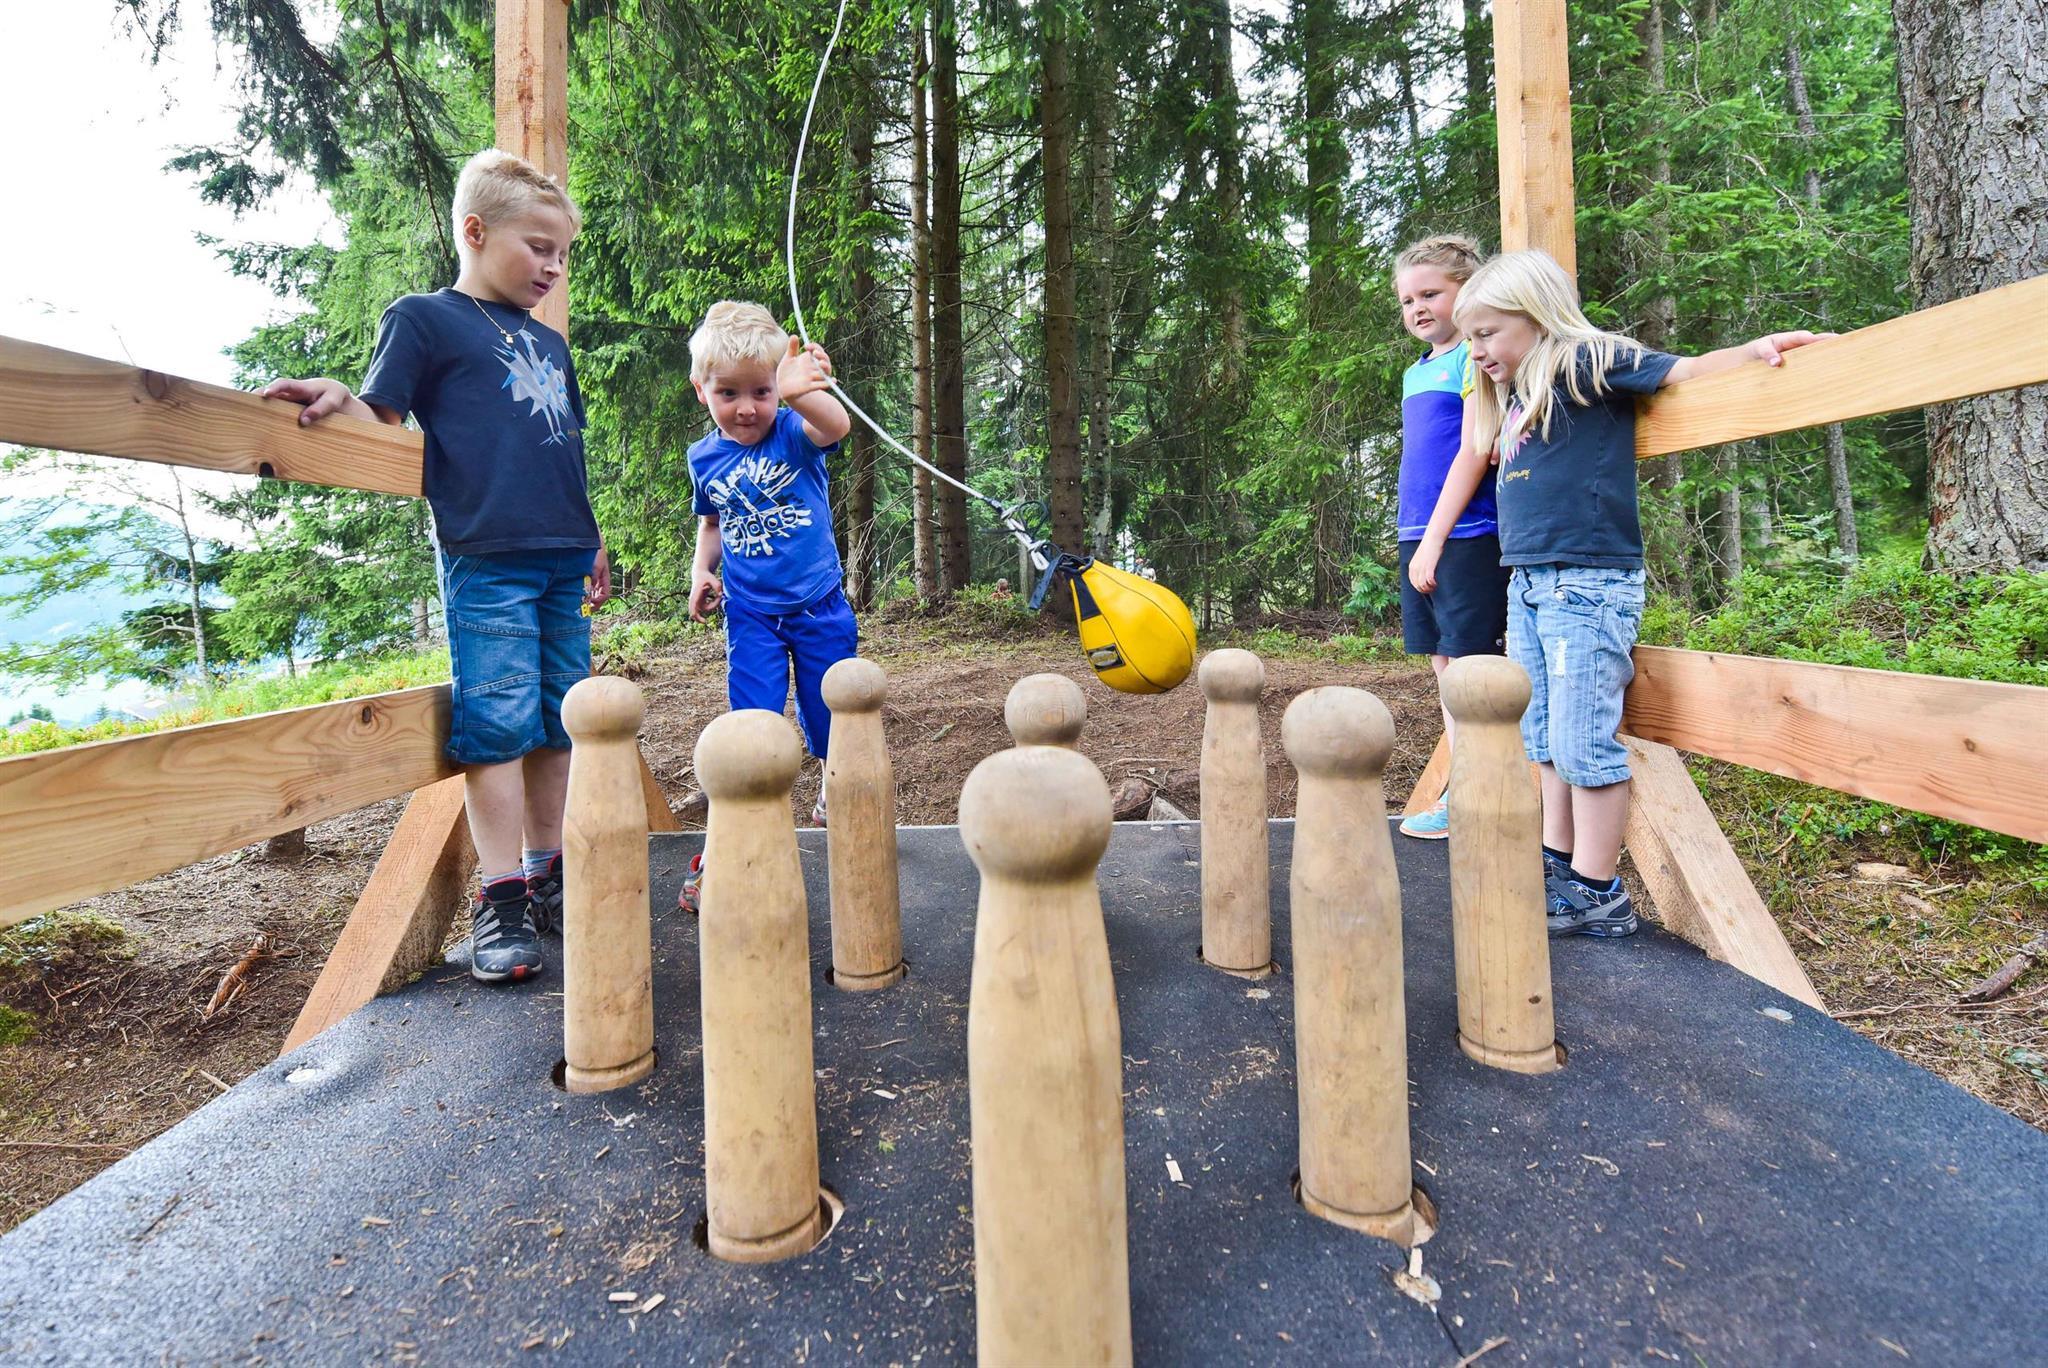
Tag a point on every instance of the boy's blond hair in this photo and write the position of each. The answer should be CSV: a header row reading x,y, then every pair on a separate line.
x,y
735,332
1568,350
1456,255
496,186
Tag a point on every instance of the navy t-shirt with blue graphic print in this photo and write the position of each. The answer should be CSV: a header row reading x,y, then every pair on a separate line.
x,y
1570,498
774,516
503,423
1432,423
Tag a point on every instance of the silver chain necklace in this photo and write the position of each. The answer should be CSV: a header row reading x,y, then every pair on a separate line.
x,y
510,341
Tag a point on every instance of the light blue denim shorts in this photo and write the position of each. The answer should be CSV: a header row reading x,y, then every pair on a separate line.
x,y
1572,628
517,642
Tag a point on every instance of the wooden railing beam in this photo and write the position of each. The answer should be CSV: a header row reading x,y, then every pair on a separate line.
x,y
89,819
70,402
1970,346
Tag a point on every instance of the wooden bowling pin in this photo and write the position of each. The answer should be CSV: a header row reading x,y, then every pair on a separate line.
x,y
607,938
760,1098
860,840
1237,919
1499,943
1045,710
1044,1068
1350,1024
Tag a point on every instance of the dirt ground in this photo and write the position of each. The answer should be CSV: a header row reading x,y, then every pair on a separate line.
x,y
104,1003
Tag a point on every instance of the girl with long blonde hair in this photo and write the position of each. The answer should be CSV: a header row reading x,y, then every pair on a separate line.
x,y
1554,402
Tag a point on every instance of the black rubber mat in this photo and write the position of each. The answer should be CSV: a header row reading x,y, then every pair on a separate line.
x,y
1706,1182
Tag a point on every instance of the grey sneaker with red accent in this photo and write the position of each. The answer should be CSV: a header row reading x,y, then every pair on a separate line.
x,y
503,943
693,886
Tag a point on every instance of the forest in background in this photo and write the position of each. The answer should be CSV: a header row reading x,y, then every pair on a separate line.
x,y
1129,259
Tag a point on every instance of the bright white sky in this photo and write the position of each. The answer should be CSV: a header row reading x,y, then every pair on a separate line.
x,y
97,239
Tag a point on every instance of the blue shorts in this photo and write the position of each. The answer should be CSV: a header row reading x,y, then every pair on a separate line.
x,y
1572,628
517,641
760,648
1467,612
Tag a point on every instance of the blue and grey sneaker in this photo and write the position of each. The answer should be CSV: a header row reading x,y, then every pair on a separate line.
x,y
503,943
1433,824
1577,910
545,889
1555,871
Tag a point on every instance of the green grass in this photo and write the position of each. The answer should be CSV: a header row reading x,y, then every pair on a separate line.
x,y
15,1026
246,698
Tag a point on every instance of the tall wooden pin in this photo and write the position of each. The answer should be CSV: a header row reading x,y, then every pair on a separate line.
x,y
860,790
760,1097
1045,710
1044,1068
1237,918
1499,944
1350,1023
607,938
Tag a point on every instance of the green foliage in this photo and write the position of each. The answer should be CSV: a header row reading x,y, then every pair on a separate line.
x,y
54,939
1375,592
16,1026
245,698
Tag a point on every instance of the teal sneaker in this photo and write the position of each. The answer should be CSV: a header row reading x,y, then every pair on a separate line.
x,y
1431,825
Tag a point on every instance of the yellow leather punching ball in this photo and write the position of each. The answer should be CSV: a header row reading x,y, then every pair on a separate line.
x,y
1136,632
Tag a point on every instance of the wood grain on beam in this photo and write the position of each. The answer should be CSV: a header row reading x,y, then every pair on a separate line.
x,y
531,92
1533,107
1964,749
1987,342
1695,878
92,818
660,816
1429,785
403,914
69,402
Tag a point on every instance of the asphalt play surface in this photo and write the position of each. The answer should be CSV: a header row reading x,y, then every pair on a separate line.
x,y
1705,1182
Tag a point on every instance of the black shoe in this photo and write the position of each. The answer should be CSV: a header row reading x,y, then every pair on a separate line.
x,y
1576,910
545,888
503,943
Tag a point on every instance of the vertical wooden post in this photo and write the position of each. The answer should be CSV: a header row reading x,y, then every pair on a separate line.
x,y
1499,945
1044,1068
760,1096
532,97
1237,917
860,842
607,938
1350,1021
1533,104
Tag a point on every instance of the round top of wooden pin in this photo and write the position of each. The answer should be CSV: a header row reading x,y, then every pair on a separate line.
x,y
752,753
855,685
1337,730
603,708
1045,710
1037,814
1486,688
1232,676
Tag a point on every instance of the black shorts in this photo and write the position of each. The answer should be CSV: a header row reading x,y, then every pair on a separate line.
x,y
1467,612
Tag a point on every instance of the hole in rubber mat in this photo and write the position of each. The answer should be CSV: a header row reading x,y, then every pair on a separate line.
x,y
1428,1220
832,978
1272,966
559,1075
831,1210
1563,1054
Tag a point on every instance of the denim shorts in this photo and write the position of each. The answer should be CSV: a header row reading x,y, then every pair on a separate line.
x,y
517,641
1572,628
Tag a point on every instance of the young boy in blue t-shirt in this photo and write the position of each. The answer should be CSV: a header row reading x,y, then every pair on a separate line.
x,y
495,394
764,515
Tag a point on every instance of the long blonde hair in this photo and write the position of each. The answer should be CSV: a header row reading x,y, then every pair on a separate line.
x,y
1567,345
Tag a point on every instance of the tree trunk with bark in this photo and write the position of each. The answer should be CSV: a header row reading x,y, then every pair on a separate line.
x,y
1328,166
1062,360
1670,549
1837,441
924,554
1098,383
1974,90
949,361
860,443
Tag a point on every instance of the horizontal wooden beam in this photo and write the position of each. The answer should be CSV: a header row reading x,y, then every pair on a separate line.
x,y
87,819
1696,879
69,402
1964,749
403,914
1991,341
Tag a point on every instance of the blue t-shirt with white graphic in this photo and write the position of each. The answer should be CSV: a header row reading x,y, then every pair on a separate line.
x,y
1432,421
503,422
774,515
